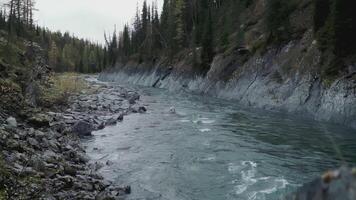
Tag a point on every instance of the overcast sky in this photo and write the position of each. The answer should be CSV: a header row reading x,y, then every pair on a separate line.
x,y
86,18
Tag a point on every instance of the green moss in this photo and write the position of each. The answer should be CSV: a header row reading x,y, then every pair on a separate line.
x,y
3,195
8,84
259,46
328,81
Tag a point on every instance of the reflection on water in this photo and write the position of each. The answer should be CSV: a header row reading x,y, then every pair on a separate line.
x,y
213,149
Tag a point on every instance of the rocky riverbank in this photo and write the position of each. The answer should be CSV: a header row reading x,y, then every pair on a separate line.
x,y
41,153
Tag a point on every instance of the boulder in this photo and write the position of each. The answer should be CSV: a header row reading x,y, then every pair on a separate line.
x,y
337,185
11,121
82,128
40,120
120,118
104,195
69,170
101,126
133,98
172,110
34,143
142,109
111,122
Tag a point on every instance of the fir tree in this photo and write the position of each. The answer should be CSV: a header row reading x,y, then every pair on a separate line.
x,y
207,44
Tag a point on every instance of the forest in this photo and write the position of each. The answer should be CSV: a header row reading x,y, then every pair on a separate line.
x,y
191,99
63,51
202,27
209,27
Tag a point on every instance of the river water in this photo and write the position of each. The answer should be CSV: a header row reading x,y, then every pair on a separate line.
x,y
212,149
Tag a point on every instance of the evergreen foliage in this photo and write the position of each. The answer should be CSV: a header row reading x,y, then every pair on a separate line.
x,y
278,12
65,52
335,28
207,43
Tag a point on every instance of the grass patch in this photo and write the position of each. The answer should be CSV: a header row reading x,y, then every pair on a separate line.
x,y
61,88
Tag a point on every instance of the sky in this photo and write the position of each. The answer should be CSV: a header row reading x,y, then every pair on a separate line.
x,y
87,18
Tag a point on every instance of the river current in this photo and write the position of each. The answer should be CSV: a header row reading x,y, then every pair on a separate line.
x,y
213,149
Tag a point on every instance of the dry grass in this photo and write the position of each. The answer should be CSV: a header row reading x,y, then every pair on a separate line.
x,y
62,87
69,83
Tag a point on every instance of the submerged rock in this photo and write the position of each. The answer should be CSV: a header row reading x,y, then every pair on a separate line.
x,y
172,110
120,118
142,109
111,122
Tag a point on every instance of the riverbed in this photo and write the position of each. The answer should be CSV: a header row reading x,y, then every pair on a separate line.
x,y
190,147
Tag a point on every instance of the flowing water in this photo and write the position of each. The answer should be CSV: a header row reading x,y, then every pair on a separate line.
x,y
212,149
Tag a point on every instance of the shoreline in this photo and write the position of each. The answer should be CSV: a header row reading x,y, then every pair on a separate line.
x,y
42,155
307,98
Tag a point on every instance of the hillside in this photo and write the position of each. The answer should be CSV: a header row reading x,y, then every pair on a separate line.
x,y
295,56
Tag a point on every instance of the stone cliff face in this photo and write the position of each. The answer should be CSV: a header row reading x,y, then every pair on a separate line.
x,y
281,77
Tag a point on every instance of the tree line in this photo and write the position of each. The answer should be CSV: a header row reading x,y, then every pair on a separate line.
x,y
64,52
203,27
207,27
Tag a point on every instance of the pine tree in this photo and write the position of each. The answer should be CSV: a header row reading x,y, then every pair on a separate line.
x,y
207,44
321,13
157,40
344,27
145,21
126,41
278,12
179,17
53,55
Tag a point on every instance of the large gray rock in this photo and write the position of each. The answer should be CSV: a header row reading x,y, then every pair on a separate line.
x,y
82,128
40,120
34,143
111,122
133,98
11,121
333,185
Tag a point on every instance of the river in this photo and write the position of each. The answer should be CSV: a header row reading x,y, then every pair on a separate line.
x,y
212,149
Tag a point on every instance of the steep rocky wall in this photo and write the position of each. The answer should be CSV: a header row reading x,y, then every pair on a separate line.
x,y
285,79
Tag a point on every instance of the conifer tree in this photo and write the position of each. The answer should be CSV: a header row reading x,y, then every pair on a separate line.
x,y
344,27
178,11
207,44
321,13
126,41
53,55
